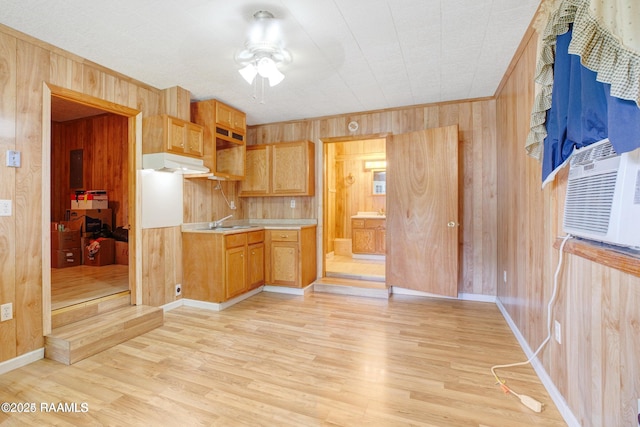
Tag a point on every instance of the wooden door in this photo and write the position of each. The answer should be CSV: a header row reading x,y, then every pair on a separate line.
x,y
422,211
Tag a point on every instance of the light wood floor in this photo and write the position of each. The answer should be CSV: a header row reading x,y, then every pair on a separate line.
x,y
353,268
75,285
283,360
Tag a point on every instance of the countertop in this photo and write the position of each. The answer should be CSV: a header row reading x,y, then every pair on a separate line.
x,y
369,215
243,226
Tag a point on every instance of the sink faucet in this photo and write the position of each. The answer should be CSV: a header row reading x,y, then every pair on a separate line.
x,y
218,223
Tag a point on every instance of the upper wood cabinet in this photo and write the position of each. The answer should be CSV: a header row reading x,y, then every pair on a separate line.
x,y
283,169
224,137
166,133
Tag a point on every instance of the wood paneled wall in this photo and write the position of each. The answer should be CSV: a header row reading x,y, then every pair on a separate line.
x,y
596,367
103,140
477,159
26,64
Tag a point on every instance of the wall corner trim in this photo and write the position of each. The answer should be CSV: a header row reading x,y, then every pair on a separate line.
x,y
20,361
546,380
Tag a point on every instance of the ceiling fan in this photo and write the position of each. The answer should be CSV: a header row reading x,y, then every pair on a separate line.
x,y
264,50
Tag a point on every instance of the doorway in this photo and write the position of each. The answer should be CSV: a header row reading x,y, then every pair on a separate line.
x,y
355,209
77,129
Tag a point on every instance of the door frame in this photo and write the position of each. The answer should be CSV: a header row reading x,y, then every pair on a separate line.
x,y
322,207
134,143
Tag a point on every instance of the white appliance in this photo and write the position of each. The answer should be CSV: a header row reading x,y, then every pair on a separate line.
x,y
603,195
169,162
161,195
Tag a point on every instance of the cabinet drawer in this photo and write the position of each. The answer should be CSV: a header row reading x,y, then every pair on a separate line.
x,y
357,223
255,237
375,223
284,235
235,240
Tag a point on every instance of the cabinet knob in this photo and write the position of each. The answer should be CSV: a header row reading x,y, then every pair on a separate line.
x,y
451,224
284,236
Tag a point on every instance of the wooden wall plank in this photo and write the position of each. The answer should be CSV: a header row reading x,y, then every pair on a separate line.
x,y
31,70
7,191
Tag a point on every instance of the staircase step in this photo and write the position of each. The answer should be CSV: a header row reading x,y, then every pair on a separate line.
x,y
362,288
71,343
75,313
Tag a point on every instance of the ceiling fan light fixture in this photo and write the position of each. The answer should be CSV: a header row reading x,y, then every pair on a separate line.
x,y
264,50
248,73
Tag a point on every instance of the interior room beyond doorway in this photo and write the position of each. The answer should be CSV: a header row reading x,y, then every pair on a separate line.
x,y
354,193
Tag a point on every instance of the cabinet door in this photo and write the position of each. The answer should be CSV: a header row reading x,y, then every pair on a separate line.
x,y
381,241
363,241
175,135
195,140
238,121
255,254
256,180
284,263
223,114
235,271
290,169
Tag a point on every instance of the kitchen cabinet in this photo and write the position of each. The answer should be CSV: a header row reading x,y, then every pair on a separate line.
x,y
164,133
368,236
291,257
224,137
282,169
221,266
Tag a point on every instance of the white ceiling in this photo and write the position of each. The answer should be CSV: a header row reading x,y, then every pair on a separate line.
x,y
348,55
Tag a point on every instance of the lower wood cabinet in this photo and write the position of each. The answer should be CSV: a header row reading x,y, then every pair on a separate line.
x,y
368,236
218,267
291,257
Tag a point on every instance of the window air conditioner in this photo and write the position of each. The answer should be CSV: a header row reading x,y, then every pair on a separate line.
x,y
603,195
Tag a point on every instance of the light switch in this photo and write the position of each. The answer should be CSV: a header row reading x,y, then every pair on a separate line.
x,y
5,207
13,159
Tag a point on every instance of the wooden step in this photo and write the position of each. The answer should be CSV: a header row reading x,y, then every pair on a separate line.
x,y
342,286
76,312
76,341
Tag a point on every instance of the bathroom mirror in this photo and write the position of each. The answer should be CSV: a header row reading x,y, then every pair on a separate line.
x,y
379,182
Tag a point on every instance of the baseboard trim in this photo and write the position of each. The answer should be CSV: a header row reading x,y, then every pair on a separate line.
x,y
404,291
22,360
289,291
544,377
477,297
173,304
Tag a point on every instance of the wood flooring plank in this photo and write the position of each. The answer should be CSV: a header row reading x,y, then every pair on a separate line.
x,y
287,360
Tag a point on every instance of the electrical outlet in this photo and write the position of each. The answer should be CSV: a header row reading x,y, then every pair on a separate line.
x,y
504,276
558,332
5,207
6,312
293,203
178,289
232,205
13,159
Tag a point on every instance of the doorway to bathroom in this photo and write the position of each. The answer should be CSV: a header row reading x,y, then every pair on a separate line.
x,y
355,209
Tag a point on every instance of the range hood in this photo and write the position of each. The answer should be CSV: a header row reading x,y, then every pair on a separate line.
x,y
169,162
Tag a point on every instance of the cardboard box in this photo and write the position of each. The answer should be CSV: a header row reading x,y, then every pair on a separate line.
x,y
65,239
61,258
122,253
91,199
98,256
89,204
88,220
